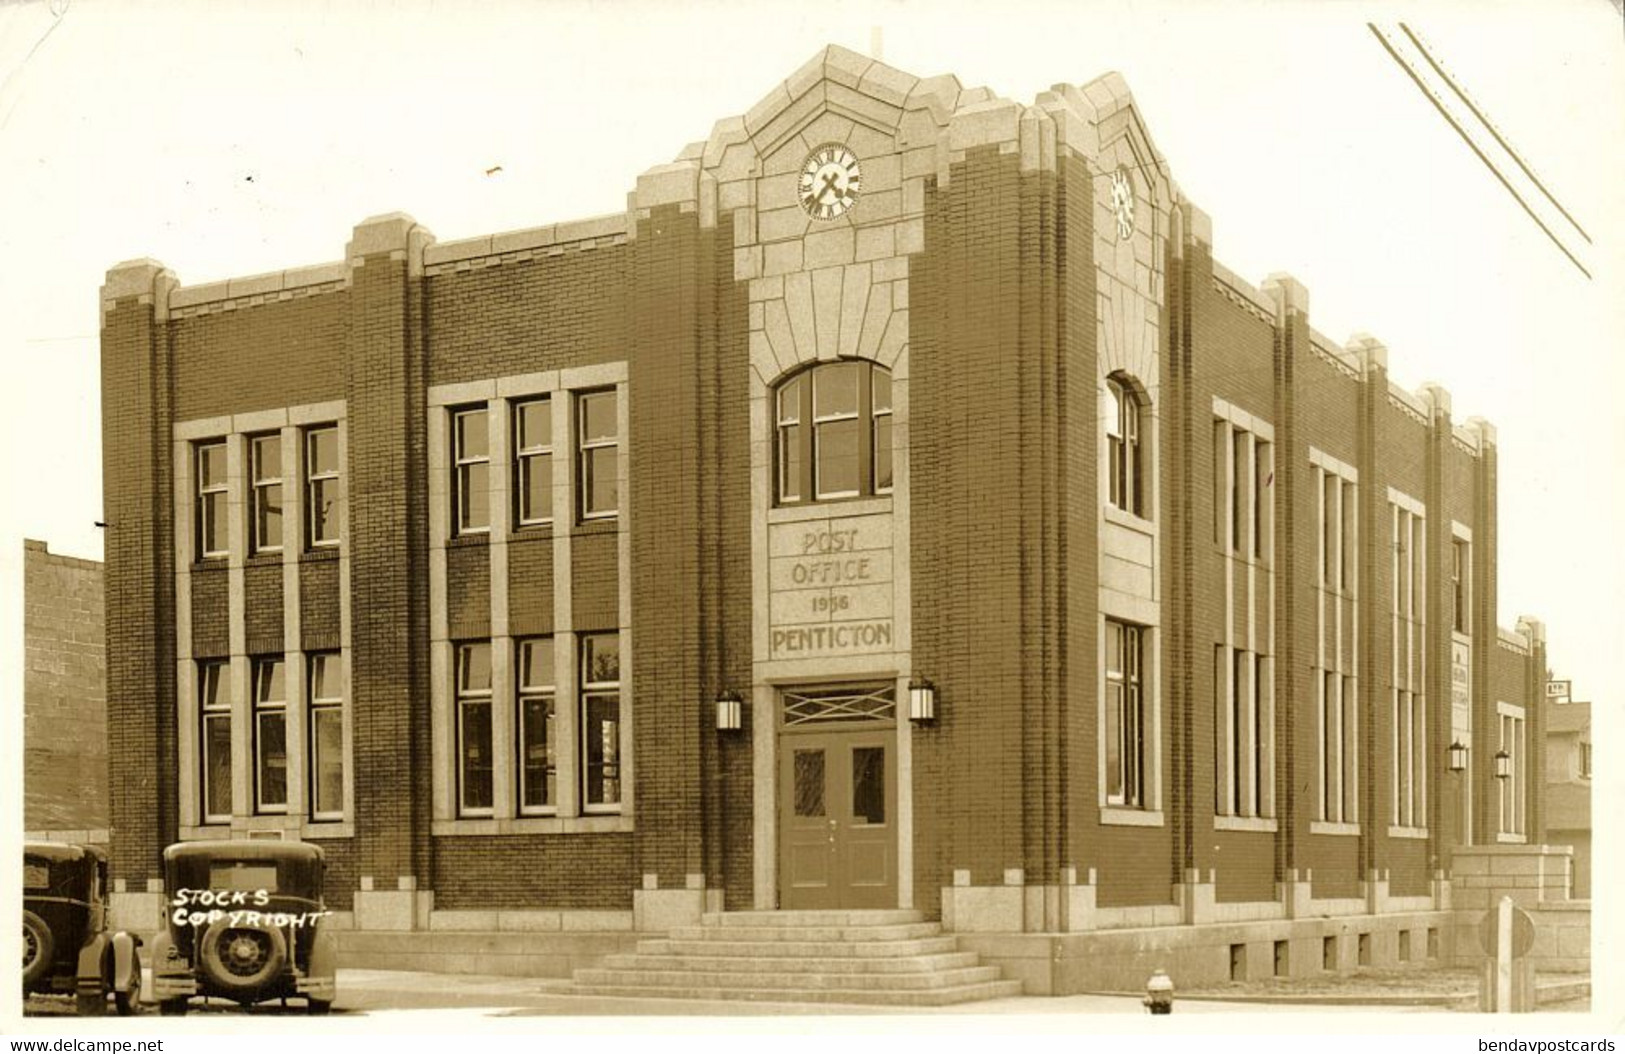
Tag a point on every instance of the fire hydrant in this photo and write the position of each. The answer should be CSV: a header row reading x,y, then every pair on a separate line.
x,y
1159,993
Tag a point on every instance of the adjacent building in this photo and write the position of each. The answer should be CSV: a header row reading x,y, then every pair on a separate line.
x,y
1568,779
64,698
898,505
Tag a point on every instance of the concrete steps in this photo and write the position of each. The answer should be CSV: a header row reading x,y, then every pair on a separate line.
x,y
886,958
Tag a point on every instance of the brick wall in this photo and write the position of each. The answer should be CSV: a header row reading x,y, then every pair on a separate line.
x,y
64,693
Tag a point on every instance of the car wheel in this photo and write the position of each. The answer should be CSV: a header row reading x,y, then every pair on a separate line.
x,y
172,1008
39,949
240,961
318,1007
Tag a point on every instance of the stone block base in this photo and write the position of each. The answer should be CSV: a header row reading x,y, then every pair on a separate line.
x,y
393,909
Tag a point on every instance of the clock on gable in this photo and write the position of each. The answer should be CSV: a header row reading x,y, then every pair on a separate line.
x,y
830,179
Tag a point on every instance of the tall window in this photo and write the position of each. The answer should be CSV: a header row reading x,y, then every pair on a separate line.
x,y
538,742
475,792
533,461
270,737
1585,759
326,736
1123,461
211,499
601,721
833,433
1461,570
265,458
1243,487
599,456
1512,788
1244,733
1125,731
322,486
471,454
1337,617
214,704
1409,662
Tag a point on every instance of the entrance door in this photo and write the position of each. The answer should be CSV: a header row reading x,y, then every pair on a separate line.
x,y
837,833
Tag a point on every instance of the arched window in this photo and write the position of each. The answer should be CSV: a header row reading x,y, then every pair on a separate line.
x,y
1124,465
833,433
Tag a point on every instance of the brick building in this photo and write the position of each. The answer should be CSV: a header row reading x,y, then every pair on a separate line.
x,y
457,553
64,698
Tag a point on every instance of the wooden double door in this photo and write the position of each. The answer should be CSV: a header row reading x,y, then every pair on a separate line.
x,y
837,818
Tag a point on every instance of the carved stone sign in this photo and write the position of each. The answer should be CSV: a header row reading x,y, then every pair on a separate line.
x,y
830,587
1461,690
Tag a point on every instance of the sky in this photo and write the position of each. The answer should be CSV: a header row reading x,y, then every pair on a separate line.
x,y
227,140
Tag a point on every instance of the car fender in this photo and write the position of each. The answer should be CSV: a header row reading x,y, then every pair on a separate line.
x,y
162,946
93,959
124,957
324,954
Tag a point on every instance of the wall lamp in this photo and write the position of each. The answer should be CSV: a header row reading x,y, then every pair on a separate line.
x,y
1458,756
922,700
1503,765
730,711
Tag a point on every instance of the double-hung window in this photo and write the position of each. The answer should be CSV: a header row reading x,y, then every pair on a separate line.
x,y
471,456
1409,661
1513,744
1125,729
533,461
599,455
265,459
601,721
270,737
1123,461
538,739
322,486
1337,616
326,704
214,705
475,746
833,433
1461,572
211,499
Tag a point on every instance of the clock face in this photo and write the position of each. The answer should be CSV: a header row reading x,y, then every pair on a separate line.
x,y
830,181
1123,202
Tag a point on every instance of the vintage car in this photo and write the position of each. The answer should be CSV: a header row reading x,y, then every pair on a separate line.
x,y
243,922
66,944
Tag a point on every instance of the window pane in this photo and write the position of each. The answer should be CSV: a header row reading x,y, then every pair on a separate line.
x,y
835,389
217,765
211,465
269,687
271,745
881,380
213,688
598,417
883,469
790,401
869,784
537,751
601,659
535,424
324,513
474,495
602,735
324,450
268,515
1113,737
327,759
473,434
325,674
790,467
837,455
475,668
536,487
214,522
1114,409
536,664
809,777
476,755
602,483
268,457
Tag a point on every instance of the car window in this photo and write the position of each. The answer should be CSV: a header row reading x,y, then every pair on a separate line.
x,y
240,874
36,876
